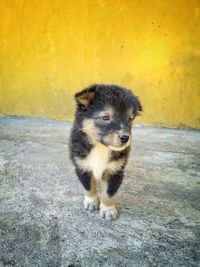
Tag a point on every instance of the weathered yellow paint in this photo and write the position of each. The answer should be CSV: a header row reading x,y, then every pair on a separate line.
x,y
49,49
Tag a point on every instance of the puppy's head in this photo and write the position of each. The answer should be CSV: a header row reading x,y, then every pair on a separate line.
x,y
106,113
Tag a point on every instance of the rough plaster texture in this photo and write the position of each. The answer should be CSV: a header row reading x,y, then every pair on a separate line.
x,y
51,49
42,220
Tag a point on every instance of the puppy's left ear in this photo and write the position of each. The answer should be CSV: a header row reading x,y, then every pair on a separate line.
x,y
85,96
137,105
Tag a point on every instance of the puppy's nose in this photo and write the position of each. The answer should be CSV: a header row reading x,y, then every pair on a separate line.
x,y
124,138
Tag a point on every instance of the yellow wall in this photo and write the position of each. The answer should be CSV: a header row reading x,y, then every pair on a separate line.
x,y
49,49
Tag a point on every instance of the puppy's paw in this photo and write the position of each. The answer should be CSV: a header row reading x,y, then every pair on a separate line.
x,y
91,203
108,212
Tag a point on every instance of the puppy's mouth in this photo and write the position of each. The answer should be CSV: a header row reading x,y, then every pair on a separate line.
x,y
115,143
118,148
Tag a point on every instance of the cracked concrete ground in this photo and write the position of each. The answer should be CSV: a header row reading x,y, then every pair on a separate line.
x,y
42,219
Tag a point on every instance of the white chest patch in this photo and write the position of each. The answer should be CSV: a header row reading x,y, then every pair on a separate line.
x,y
96,161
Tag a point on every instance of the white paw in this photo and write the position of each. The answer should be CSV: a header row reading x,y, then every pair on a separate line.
x,y
108,212
91,203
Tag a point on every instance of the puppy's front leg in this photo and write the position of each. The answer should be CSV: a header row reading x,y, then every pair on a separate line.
x,y
91,201
110,185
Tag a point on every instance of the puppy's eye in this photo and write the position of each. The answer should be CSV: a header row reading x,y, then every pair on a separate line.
x,y
105,118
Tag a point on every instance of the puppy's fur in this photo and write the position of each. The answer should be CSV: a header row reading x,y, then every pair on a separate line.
x,y
100,142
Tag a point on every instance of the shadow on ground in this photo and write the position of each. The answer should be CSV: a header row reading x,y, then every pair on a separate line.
x,y
41,216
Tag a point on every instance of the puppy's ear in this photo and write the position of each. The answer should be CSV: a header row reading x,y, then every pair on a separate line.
x,y
137,105
85,96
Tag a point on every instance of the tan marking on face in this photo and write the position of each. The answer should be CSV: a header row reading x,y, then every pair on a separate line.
x,y
112,139
108,111
90,129
115,148
114,142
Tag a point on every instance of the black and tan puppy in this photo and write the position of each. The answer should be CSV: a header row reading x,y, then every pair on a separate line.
x,y
100,142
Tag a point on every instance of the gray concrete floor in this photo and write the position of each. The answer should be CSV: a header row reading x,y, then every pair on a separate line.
x,y
42,220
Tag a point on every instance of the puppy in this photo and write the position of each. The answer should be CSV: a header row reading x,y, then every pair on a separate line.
x,y
100,142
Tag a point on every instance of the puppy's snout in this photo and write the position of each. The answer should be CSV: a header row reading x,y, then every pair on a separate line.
x,y
124,138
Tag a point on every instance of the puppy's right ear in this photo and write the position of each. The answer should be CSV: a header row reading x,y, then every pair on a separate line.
x,y
85,97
